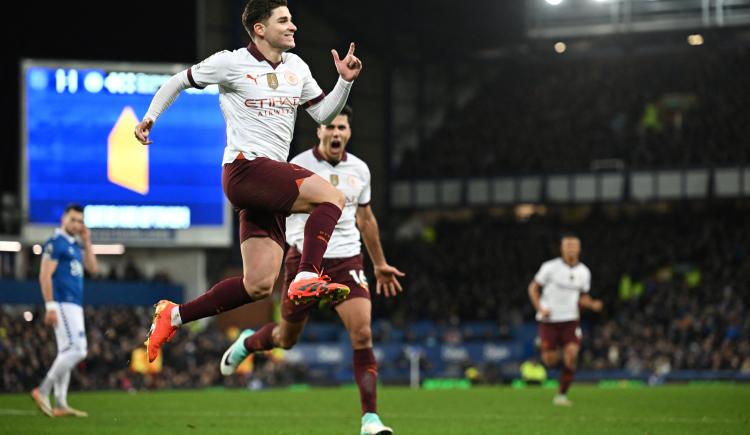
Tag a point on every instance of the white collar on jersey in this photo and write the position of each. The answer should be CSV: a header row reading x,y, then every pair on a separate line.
x,y
68,237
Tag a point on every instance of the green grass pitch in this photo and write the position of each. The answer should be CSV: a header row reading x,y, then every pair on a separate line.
x,y
679,409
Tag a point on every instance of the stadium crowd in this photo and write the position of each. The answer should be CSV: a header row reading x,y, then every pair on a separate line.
x,y
674,284
542,114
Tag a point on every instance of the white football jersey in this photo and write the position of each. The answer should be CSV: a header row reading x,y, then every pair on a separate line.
x,y
351,176
259,99
562,286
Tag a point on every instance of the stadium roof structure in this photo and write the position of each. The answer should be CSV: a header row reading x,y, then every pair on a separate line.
x,y
575,18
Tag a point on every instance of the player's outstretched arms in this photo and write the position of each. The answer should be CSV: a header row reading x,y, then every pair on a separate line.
x,y
142,131
164,97
386,277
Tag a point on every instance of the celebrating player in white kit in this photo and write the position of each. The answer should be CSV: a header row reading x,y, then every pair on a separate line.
x,y
342,261
61,279
565,284
261,86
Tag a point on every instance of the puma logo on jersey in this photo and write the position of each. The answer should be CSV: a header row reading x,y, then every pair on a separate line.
x,y
252,78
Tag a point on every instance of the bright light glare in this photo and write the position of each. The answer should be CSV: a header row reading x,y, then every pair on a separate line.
x,y
28,316
695,39
560,47
554,2
108,249
10,246
37,249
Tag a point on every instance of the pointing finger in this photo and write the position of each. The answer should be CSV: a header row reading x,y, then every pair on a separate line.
x,y
351,49
335,56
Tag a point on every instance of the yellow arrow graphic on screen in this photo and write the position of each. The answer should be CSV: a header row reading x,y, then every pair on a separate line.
x,y
127,159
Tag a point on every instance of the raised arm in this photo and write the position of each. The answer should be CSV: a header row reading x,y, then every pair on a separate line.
x,y
385,274
326,109
89,258
164,97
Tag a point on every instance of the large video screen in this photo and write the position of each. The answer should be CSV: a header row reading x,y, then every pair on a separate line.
x,y
79,147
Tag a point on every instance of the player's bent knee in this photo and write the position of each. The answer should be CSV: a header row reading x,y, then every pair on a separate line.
x,y
550,360
258,289
340,199
336,197
361,337
288,342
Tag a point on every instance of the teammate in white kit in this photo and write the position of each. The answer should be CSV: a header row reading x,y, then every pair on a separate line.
x,y
260,88
61,279
565,284
342,260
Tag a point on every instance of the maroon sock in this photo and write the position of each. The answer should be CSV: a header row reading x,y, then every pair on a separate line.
x,y
261,340
223,296
566,378
318,230
366,376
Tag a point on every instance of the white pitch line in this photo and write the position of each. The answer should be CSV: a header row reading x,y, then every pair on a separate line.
x,y
17,412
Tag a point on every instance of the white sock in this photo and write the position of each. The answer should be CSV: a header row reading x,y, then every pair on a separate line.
x,y
304,275
46,386
61,390
175,318
64,362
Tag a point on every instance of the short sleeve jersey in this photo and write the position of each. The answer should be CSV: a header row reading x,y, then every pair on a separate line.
x,y
67,280
259,99
562,286
352,177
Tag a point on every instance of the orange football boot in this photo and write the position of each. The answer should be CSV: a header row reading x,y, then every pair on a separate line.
x,y
317,288
161,330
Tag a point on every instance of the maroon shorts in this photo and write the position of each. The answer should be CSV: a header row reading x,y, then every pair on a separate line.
x,y
341,270
557,334
263,191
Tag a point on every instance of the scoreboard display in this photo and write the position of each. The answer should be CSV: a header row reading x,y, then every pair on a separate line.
x,y
78,146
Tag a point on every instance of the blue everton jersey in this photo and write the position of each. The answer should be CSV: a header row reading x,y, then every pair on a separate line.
x,y
67,281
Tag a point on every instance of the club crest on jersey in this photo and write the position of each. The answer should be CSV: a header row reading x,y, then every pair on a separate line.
x,y
291,78
335,179
273,81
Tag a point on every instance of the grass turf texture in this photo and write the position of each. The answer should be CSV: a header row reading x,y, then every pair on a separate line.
x,y
679,409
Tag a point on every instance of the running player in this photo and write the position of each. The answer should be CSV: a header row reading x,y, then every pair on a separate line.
x,y
342,260
261,87
565,284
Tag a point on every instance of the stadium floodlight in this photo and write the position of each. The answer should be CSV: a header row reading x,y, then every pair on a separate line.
x,y
553,2
10,246
116,249
695,39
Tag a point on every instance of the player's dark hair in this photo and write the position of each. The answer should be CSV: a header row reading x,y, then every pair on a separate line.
x,y
348,112
569,235
73,207
257,11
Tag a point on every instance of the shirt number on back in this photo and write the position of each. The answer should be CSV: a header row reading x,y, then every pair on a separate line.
x,y
359,277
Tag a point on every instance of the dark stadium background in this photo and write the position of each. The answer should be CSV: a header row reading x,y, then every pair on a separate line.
x,y
673,269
